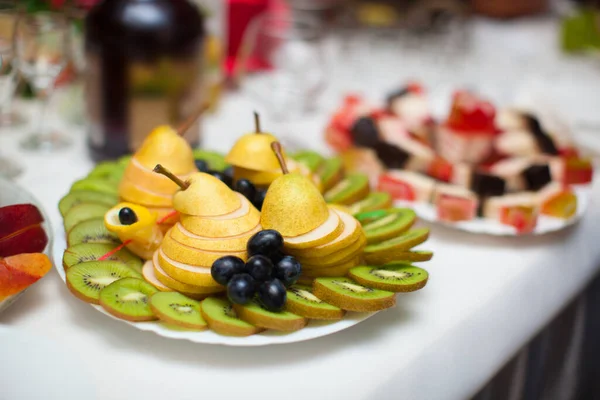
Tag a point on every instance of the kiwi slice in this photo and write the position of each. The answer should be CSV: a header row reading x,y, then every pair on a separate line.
x,y
352,188
75,198
349,295
176,309
108,171
91,231
331,172
215,161
311,159
401,243
255,314
392,277
381,258
129,299
221,318
374,201
84,212
392,224
86,280
96,185
85,252
301,301
367,217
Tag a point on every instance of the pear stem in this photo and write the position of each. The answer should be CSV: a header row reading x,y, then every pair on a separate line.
x,y
187,124
159,169
257,122
276,146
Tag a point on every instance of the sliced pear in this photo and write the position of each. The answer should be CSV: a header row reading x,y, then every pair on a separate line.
x,y
253,151
337,270
181,287
351,251
136,172
236,223
258,178
189,255
164,146
150,277
325,233
206,196
352,231
293,206
133,193
233,243
185,273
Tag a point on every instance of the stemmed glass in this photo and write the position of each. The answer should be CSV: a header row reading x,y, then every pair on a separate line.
x,y
42,52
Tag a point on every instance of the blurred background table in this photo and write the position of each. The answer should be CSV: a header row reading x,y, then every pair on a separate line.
x,y
486,300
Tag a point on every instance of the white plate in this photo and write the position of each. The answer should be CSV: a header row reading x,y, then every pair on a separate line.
x,y
313,330
545,224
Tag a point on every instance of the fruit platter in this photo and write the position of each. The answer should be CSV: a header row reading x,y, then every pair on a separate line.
x,y
254,247
478,169
24,240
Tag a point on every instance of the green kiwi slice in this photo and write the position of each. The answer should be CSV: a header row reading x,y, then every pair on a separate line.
x,y
392,277
311,159
374,201
85,252
222,318
129,299
108,171
385,226
401,243
352,188
348,295
301,301
176,309
91,231
86,280
75,198
389,257
96,185
255,314
367,217
331,172
215,161
84,212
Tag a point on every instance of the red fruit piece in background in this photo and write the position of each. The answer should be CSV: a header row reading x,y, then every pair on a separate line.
x,y
29,240
20,271
522,218
18,217
340,140
471,113
578,171
440,169
455,209
398,189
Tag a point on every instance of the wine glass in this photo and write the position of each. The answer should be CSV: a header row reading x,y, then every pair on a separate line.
x,y
8,74
41,54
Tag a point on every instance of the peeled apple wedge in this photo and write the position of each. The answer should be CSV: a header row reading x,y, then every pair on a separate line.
x,y
325,233
233,243
236,223
192,256
206,196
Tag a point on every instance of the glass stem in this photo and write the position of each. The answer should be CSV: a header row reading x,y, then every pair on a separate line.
x,y
45,96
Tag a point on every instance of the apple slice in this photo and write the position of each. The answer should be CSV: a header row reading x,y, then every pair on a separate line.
x,y
18,217
21,271
29,240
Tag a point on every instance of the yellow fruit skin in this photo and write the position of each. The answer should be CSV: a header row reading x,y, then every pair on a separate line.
x,y
164,146
293,206
338,270
133,193
181,287
253,151
235,243
329,236
259,178
191,256
351,251
196,276
142,176
206,196
221,228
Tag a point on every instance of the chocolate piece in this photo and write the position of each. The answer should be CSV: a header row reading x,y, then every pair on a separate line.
x,y
537,176
544,141
365,132
486,185
392,156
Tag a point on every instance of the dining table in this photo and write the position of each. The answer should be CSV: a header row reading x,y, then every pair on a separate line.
x,y
486,297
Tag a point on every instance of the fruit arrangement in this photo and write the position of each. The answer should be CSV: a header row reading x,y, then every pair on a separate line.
x,y
22,241
236,253
478,163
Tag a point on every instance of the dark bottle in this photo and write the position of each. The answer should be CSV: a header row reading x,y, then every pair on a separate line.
x,y
144,61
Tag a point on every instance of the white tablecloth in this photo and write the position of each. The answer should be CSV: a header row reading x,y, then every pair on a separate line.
x,y
486,298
